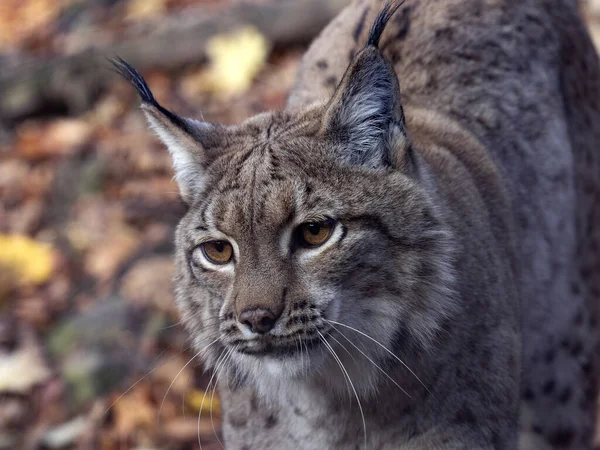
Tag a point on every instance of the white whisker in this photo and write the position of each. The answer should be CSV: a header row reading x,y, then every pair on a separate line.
x,y
176,376
345,349
351,356
302,361
383,347
339,361
372,362
183,397
307,355
179,322
221,358
212,397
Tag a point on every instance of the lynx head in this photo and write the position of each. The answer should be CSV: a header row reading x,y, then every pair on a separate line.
x,y
300,221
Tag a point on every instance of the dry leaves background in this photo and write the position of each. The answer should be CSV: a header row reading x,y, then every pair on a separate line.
x,y
89,336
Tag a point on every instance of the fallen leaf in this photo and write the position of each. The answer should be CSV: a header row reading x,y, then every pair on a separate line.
x,y
30,260
59,137
235,59
65,434
20,19
103,261
106,111
23,368
88,227
134,411
198,400
145,9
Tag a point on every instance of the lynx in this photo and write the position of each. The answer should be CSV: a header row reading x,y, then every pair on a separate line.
x,y
406,256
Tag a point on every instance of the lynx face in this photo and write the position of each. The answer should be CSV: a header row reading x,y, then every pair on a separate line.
x,y
305,228
286,240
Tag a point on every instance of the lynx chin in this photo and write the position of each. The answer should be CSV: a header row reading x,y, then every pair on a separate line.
x,y
406,256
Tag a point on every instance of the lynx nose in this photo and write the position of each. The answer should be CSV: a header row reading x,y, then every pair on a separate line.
x,y
259,320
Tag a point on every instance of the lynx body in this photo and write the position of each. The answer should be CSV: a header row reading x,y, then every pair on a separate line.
x,y
406,257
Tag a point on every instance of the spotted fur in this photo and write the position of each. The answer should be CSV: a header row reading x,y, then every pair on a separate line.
x,y
454,145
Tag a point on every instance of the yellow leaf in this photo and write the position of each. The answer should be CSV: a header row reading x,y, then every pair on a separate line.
x,y
235,59
30,260
145,9
199,399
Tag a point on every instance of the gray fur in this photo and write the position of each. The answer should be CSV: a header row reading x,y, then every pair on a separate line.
x,y
466,241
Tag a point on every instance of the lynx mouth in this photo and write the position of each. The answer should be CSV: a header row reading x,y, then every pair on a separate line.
x,y
271,347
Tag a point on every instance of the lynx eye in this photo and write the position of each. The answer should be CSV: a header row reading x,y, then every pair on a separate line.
x,y
314,234
217,252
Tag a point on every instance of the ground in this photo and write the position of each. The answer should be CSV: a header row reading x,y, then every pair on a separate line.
x,y
92,355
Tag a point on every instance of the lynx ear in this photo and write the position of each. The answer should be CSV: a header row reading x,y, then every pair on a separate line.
x,y
189,141
365,116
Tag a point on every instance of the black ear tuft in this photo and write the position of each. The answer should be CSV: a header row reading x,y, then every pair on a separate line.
x,y
124,69
382,19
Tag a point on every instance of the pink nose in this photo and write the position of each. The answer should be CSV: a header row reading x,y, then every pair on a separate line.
x,y
259,320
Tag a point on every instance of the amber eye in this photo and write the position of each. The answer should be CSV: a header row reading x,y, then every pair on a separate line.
x,y
217,252
313,234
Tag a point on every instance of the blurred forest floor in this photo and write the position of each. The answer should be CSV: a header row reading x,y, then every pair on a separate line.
x,y
92,355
